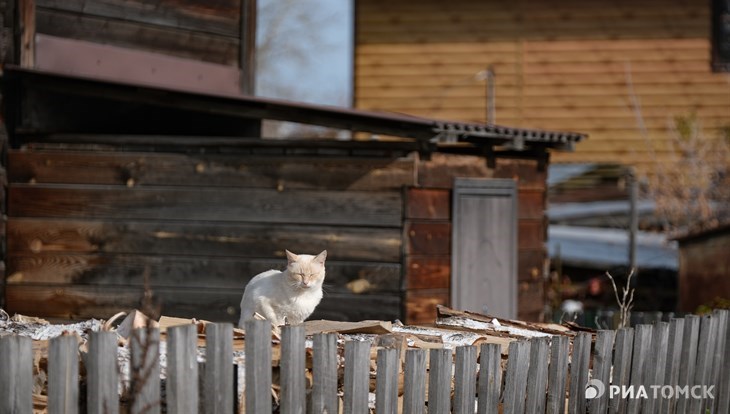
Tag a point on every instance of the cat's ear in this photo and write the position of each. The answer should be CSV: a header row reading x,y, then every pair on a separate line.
x,y
291,257
321,257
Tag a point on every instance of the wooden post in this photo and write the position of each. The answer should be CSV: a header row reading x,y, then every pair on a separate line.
x,y
258,367
579,364
102,378
182,369
490,378
386,382
557,374
439,381
16,374
324,373
518,364
602,369
292,366
26,10
414,382
248,47
145,370
357,377
538,375
465,376
63,375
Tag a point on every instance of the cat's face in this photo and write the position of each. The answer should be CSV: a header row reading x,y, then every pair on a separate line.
x,y
306,271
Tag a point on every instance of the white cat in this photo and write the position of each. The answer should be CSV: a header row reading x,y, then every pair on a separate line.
x,y
288,296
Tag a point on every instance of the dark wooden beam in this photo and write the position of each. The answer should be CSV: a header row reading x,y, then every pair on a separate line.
x,y
248,47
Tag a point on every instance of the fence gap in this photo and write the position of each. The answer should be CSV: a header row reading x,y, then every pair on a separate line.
x,y
258,366
490,378
414,377
182,369
538,375
439,381
518,363
386,382
324,373
465,379
16,375
557,374
63,375
579,364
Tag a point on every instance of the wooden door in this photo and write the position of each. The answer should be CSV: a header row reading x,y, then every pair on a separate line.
x,y
484,243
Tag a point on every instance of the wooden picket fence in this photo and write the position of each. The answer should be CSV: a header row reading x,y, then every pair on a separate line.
x,y
542,375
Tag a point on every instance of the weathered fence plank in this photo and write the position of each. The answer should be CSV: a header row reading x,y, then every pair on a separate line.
x,y
465,376
16,375
723,388
518,364
145,376
621,366
386,382
671,369
655,366
602,369
357,377
579,364
439,381
490,378
640,357
538,376
182,369
688,358
63,375
258,367
705,358
324,373
718,362
102,378
557,374
414,378
293,381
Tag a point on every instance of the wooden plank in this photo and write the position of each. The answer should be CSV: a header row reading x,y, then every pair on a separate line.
x,y
292,365
16,377
212,170
688,359
414,382
171,41
518,365
145,370
640,357
357,378
28,29
216,18
671,368
247,36
182,369
621,366
380,209
439,381
177,271
602,369
386,381
258,367
579,364
465,379
428,238
557,374
723,387
428,272
721,316
428,204
705,359
420,305
490,378
83,302
538,376
101,374
324,374
63,375
656,365
218,374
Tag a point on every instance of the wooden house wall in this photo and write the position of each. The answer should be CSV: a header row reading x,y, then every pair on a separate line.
x,y
561,65
704,270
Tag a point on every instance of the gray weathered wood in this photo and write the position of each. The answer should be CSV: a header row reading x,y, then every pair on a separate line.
x,y
145,368
386,382
16,374
258,367
490,378
579,363
439,381
63,375
705,359
292,365
688,359
723,387
465,380
102,376
357,377
484,236
640,357
324,374
602,369
719,362
654,372
557,374
182,369
538,375
621,367
414,378
518,365
671,368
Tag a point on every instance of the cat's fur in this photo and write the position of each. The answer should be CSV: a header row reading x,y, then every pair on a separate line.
x,y
288,296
